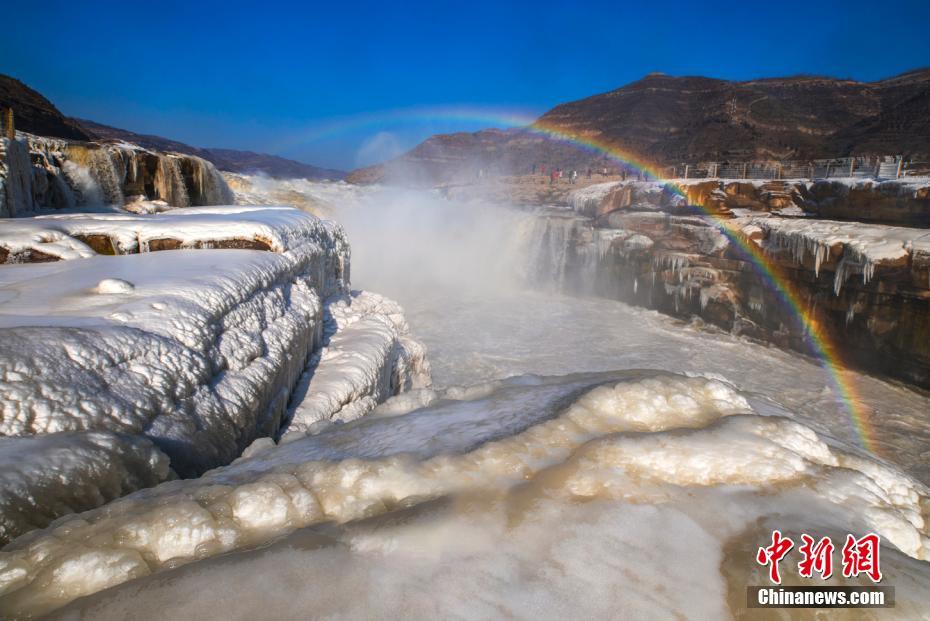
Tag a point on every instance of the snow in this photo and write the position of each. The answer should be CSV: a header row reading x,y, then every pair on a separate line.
x,y
587,200
196,350
109,365
115,285
368,356
859,248
282,228
643,438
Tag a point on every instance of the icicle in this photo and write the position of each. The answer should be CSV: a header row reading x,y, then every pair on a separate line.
x,y
104,172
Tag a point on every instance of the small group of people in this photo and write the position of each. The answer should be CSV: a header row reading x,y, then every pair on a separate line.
x,y
557,173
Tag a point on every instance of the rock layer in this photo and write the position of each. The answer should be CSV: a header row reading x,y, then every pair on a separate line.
x,y
867,287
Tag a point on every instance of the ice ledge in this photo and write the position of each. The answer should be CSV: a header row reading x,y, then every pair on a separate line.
x,y
111,365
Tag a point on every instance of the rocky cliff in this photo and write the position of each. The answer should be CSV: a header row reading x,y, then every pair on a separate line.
x,y
42,173
866,286
905,201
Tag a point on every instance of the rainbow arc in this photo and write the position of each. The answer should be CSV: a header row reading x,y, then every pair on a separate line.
x,y
821,345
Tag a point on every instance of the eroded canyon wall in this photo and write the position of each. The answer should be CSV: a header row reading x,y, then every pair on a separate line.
x,y
866,287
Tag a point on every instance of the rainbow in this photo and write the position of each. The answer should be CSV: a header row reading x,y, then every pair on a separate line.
x,y
816,335
465,115
823,348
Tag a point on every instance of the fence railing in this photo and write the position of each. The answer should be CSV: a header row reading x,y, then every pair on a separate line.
x,y
880,167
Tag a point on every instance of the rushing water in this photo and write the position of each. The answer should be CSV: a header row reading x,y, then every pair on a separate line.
x,y
629,467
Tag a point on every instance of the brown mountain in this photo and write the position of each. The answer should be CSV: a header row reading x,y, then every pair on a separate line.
x,y
667,120
36,114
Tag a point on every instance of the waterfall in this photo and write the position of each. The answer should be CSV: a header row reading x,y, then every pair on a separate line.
x,y
210,187
558,252
84,183
169,183
39,173
104,172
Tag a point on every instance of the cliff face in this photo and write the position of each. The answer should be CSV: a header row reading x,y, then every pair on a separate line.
x,y
866,286
904,202
41,173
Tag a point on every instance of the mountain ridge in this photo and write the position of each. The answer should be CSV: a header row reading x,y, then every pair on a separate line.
x,y
232,160
35,114
666,120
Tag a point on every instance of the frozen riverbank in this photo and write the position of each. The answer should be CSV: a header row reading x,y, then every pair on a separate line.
x,y
194,351
569,445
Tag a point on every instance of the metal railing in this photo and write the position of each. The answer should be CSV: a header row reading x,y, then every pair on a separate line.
x,y
873,167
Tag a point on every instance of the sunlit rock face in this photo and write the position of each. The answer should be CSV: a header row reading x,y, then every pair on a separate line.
x,y
866,285
905,202
45,173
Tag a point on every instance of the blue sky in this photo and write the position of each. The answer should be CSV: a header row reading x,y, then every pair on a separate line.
x,y
274,76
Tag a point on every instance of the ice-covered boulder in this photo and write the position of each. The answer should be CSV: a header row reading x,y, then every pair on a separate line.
x,y
43,477
196,350
367,357
177,339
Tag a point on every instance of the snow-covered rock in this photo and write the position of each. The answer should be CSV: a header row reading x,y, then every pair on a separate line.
x,y
852,247
642,439
111,364
866,284
368,356
45,476
196,350
895,201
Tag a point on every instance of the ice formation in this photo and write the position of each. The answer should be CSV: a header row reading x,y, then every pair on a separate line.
x,y
200,355
855,247
194,351
47,174
42,477
641,439
529,496
367,356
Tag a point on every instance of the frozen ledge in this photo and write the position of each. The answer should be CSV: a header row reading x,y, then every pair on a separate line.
x,y
367,356
75,236
118,371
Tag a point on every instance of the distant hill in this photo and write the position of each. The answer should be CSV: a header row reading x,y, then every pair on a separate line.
x,y
37,115
667,120
224,159
461,157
